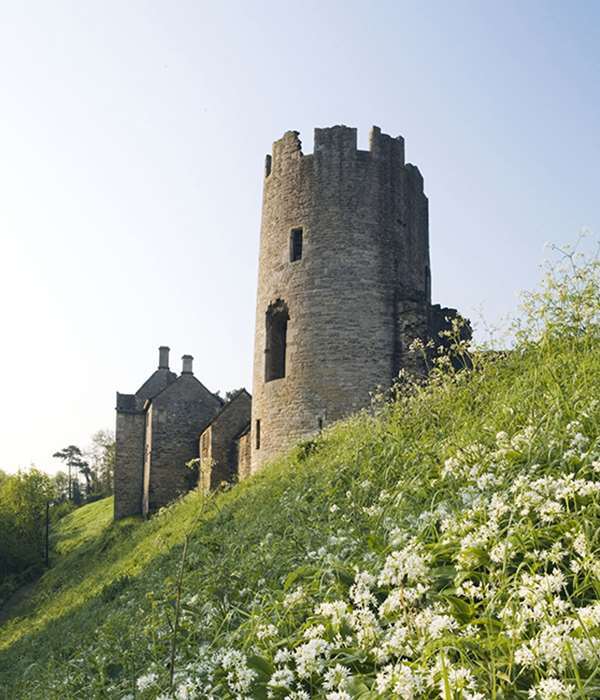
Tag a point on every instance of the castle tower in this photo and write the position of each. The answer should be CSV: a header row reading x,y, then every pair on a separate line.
x,y
343,285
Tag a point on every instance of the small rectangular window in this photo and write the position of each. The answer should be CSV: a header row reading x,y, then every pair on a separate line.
x,y
296,244
257,434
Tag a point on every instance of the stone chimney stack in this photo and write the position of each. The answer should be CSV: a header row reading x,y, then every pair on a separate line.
x,y
163,357
187,364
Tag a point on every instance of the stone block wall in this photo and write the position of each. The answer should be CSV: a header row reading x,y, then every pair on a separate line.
x,y
174,420
129,458
218,443
244,455
130,439
357,295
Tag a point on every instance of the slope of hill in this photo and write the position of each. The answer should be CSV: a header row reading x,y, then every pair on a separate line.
x,y
443,545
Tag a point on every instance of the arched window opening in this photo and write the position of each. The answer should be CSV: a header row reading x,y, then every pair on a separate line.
x,y
275,350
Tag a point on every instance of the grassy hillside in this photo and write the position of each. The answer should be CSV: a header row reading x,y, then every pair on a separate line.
x,y
444,545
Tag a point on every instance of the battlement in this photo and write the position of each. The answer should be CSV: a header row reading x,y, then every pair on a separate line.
x,y
334,142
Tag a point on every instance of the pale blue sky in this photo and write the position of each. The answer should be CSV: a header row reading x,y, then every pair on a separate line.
x,y
132,142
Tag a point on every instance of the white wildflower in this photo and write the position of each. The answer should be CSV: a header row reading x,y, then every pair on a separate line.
x,y
336,678
314,632
282,678
266,631
335,611
408,565
310,657
360,591
147,681
400,680
552,689
294,597
282,656
580,545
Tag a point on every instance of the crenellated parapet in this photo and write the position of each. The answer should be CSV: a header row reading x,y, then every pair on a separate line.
x,y
335,145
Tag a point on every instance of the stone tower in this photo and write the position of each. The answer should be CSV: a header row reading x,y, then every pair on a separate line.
x,y
343,285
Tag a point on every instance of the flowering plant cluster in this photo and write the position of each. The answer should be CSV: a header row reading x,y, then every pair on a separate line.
x,y
503,562
444,545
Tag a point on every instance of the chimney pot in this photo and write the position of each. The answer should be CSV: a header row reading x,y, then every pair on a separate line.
x,y
187,364
163,357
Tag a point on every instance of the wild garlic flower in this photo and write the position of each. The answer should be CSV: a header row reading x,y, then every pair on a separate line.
x,y
409,565
400,680
310,657
282,678
147,681
336,612
336,678
552,689
266,631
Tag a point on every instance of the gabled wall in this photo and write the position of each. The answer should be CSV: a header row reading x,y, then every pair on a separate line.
x,y
129,441
174,419
218,443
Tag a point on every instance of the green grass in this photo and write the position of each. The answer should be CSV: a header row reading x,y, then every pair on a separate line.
x,y
455,530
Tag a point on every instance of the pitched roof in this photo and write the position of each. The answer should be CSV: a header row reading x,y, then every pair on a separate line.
x,y
174,383
226,405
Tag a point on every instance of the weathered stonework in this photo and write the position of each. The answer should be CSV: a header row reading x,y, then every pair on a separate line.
x,y
130,437
174,419
157,432
344,287
244,454
344,281
219,443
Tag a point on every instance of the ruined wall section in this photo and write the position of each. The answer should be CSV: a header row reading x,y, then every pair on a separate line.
x,y
364,266
175,418
244,454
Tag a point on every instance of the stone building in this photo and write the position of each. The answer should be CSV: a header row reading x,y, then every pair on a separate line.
x,y
221,459
157,431
344,287
344,283
174,419
130,438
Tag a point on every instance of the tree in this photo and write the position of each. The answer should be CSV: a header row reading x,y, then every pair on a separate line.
x,y
72,456
86,470
23,498
101,456
230,395
61,484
